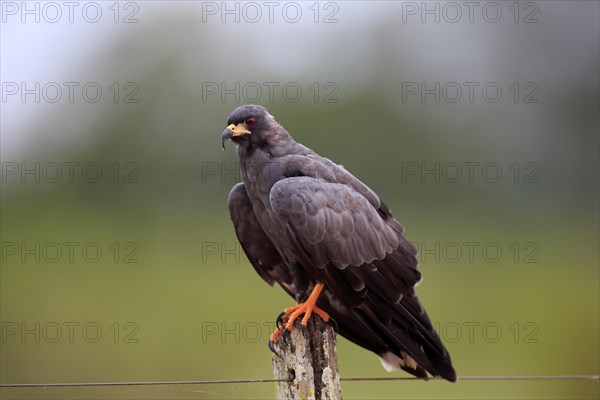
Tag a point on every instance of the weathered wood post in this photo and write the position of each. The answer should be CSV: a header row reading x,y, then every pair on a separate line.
x,y
307,360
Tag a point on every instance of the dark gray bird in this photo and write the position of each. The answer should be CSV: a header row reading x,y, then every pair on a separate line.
x,y
331,243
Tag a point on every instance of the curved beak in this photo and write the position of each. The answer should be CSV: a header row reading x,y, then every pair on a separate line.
x,y
233,131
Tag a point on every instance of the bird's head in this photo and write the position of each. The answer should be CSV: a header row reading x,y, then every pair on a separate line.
x,y
249,123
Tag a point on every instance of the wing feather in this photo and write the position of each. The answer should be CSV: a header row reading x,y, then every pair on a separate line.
x,y
261,252
296,200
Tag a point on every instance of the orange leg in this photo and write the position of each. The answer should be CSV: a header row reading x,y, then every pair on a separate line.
x,y
306,308
291,314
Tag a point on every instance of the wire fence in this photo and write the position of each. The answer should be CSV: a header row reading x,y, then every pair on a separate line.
x,y
365,379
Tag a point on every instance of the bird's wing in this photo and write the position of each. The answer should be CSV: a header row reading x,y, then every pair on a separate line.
x,y
361,254
331,224
259,249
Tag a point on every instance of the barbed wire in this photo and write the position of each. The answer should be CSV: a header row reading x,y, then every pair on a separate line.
x,y
365,379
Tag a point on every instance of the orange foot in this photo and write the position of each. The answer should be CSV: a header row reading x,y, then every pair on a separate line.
x,y
286,319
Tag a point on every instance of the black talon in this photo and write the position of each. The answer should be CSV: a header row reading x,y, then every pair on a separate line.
x,y
273,349
279,321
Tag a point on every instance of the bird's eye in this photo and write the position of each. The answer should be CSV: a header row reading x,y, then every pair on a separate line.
x,y
250,121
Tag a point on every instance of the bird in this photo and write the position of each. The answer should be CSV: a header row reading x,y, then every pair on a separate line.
x,y
310,226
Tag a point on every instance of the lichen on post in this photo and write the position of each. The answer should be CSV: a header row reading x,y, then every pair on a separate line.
x,y
307,363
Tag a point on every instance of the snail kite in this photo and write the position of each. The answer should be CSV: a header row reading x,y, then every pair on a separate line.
x,y
331,243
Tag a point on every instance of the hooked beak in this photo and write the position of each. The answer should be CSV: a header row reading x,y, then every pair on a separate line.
x,y
233,131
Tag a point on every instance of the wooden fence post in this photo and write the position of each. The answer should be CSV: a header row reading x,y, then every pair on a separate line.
x,y
307,356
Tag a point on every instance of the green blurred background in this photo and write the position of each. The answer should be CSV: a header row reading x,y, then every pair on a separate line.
x,y
171,296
